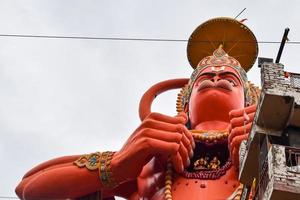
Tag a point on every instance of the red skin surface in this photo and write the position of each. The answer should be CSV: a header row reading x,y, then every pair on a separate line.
x,y
217,103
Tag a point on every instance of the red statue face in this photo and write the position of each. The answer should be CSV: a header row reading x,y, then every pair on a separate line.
x,y
216,92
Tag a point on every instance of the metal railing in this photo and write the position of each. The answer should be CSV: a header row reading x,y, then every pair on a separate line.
x,y
292,159
264,178
295,80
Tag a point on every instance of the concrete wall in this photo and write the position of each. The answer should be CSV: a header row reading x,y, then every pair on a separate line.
x,y
284,181
274,81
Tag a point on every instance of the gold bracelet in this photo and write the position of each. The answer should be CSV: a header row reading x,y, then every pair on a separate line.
x,y
105,172
100,161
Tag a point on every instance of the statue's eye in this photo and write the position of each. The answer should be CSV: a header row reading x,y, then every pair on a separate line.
x,y
201,79
232,82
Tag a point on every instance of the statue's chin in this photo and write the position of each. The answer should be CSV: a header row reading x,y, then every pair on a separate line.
x,y
213,105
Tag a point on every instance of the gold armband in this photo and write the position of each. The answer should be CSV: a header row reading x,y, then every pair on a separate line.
x,y
90,161
100,161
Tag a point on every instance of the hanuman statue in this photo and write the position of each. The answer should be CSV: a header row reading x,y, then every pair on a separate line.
x,y
193,155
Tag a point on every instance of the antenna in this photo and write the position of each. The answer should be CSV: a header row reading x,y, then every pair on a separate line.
x,y
240,13
283,41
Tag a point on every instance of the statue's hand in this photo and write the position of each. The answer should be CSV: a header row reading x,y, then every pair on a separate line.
x,y
240,126
158,135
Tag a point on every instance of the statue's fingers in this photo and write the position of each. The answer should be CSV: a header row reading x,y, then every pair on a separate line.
x,y
154,146
229,128
166,136
235,157
186,149
177,163
239,131
250,109
160,125
236,113
246,117
187,144
239,121
180,119
184,155
184,115
188,134
236,142
240,112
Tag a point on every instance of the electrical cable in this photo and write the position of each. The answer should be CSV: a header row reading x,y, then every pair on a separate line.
x,y
129,39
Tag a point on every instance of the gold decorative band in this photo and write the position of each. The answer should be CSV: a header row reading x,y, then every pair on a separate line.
x,y
105,172
90,161
209,136
100,161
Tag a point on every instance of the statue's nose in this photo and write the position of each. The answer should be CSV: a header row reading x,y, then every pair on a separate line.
x,y
215,79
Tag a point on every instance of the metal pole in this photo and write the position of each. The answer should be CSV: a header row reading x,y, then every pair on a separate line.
x,y
284,39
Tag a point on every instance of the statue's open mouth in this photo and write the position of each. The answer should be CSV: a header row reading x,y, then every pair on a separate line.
x,y
211,156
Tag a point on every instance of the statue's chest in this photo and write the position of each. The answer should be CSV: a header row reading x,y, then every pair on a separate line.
x,y
196,189
152,187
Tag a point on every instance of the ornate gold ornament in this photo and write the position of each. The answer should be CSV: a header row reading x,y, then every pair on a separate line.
x,y
99,161
209,135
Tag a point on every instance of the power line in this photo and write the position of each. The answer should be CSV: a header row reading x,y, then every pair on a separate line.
x,y
131,39
92,38
6,197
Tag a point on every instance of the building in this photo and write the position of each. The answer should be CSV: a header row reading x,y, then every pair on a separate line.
x,y
270,159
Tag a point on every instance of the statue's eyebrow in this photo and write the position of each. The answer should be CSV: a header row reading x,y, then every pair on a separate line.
x,y
212,74
230,73
208,74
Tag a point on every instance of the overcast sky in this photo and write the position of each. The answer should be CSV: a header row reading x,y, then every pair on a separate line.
x,y
62,96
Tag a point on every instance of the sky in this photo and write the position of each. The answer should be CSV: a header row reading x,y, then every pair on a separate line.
x,y
64,96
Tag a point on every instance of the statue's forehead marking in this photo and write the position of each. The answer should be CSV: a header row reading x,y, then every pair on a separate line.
x,y
218,69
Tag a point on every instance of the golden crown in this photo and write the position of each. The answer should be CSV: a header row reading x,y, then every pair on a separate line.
x,y
235,38
219,58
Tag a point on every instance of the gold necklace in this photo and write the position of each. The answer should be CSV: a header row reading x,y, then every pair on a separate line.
x,y
168,181
209,135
